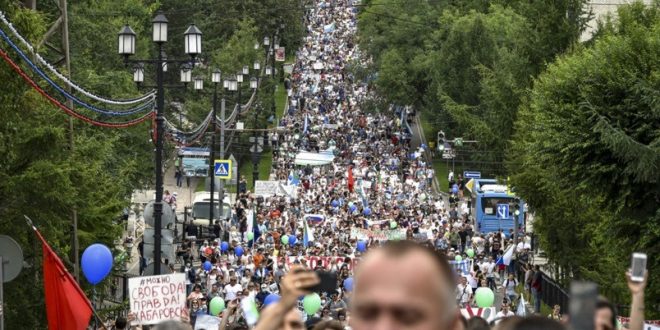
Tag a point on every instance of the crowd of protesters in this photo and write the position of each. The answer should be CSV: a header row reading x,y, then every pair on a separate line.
x,y
371,202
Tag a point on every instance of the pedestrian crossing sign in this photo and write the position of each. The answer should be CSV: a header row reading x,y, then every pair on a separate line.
x,y
222,169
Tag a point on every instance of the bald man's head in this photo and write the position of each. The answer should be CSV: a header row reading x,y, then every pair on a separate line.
x,y
403,285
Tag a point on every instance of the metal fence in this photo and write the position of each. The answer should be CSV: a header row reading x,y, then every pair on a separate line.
x,y
552,293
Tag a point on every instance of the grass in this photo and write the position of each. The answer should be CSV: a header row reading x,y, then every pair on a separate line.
x,y
442,167
428,129
280,100
545,309
265,165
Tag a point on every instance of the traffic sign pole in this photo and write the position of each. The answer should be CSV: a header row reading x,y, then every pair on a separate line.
x,y
222,151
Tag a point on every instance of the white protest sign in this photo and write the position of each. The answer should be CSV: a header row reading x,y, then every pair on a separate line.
x,y
266,188
207,322
157,298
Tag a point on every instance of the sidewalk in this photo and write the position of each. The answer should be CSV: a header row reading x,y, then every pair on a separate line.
x,y
185,194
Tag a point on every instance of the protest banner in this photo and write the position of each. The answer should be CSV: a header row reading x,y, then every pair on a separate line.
x,y
207,322
325,262
280,54
379,235
266,188
157,298
487,313
461,267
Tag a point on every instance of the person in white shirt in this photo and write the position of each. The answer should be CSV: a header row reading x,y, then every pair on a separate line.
x,y
463,292
488,268
509,286
504,312
232,289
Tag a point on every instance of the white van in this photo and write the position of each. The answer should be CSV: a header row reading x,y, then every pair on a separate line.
x,y
201,204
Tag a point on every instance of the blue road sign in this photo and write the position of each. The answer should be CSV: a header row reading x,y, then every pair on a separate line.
x,y
222,168
472,175
502,211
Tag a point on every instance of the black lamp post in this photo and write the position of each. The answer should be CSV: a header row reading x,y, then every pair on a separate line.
x,y
239,80
254,83
193,47
216,78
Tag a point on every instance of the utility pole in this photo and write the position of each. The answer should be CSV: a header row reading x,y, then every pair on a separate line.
x,y
67,64
62,23
212,156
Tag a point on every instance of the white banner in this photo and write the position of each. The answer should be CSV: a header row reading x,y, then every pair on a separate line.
x,y
206,322
157,298
266,188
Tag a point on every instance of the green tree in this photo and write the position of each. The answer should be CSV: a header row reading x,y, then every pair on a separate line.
x,y
481,74
587,150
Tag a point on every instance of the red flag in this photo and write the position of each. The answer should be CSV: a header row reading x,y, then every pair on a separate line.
x,y
351,181
67,307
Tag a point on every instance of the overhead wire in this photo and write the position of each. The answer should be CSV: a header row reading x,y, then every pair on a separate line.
x,y
63,107
143,107
66,80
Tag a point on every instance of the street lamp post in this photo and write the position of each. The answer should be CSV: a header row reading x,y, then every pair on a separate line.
x,y
232,86
193,47
254,83
239,80
216,78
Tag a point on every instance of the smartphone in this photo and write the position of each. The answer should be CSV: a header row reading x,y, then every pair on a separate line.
x,y
582,306
638,267
328,282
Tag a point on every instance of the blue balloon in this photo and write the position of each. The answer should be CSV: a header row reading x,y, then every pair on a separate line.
x,y
207,266
348,284
292,239
224,246
96,263
334,203
271,299
353,208
361,246
367,211
239,251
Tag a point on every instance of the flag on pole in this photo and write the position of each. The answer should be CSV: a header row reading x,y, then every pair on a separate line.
x,y
308,235
306,126
521,311
67,306
293,179
505,259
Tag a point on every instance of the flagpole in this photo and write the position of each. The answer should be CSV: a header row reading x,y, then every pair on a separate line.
x,y
30,223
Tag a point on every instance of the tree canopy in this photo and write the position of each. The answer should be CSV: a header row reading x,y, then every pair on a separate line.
x,y
587,150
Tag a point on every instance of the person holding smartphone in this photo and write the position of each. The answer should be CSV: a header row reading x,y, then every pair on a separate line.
x,y
636,288
283,314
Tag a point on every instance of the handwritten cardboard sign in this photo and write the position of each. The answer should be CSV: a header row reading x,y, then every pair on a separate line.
x,y
157,298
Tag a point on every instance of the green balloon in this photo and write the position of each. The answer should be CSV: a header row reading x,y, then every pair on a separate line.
x,y
393,224
250,236
458,258
285,239
312,303
216,306
484,297
470,253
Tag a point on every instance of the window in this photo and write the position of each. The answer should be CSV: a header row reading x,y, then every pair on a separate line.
x,y
489,204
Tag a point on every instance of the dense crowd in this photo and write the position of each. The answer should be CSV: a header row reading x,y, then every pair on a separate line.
x,y
374,188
